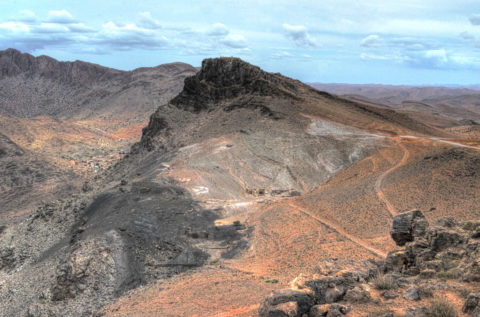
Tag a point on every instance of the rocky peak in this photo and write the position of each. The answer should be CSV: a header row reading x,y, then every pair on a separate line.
x,y
225,78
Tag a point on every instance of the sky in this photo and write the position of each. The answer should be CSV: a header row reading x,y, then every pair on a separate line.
x,y
427,42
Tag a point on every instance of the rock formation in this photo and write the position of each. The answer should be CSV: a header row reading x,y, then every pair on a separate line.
x,y
431,255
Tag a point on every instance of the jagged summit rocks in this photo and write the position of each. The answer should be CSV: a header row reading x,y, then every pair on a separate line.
x,y
225,78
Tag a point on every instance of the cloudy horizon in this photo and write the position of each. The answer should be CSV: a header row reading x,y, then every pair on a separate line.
x,y
414,42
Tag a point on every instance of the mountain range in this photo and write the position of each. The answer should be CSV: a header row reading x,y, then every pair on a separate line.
x,y
239,182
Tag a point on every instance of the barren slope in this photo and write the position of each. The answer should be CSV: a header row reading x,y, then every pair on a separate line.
x,y
240,183
25,180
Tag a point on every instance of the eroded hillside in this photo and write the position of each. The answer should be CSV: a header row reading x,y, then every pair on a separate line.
x,y
240,183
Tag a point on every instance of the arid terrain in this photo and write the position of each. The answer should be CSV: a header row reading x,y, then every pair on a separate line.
x,y
76,117
241,182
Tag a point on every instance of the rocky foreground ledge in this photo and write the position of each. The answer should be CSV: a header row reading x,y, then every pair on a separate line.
x,y
436,260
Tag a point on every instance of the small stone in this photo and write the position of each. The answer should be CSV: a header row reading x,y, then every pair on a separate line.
x,y
389,294
415,312
412,294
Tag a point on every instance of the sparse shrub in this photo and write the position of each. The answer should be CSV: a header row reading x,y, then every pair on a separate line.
x,y
380,312
384,282
470,226
448,275
274,281
463,292
237,223
425,292
449,263
440,307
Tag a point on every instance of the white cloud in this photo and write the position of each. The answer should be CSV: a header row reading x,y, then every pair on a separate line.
x,y
289,55
218,29
60,17
371,41
148,22
235,41
299,35
439,56
128,36
14,27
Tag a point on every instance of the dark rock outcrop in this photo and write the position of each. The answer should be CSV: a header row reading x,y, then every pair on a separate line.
x,y
446,250
226,78
272,305
445,247
407,226
472,304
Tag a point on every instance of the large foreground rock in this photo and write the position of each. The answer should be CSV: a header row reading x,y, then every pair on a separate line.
x,y
407,226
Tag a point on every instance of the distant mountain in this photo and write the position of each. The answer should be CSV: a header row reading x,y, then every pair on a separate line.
x,y
33,86
441,106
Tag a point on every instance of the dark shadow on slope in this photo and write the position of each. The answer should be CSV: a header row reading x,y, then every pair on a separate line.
x,y
149,228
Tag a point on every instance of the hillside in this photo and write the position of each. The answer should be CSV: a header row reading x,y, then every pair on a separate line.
x,y
77,111
25,180
240,183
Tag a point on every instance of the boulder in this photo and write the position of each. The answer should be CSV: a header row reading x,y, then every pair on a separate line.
x,y
471,304
304,300
396,261
407,226
326,289
441,238
358,294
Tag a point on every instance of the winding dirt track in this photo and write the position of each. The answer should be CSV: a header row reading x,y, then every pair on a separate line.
x,y
340,231
378,184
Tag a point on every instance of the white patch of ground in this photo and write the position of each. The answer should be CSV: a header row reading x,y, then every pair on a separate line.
x,y
200,190
328,128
